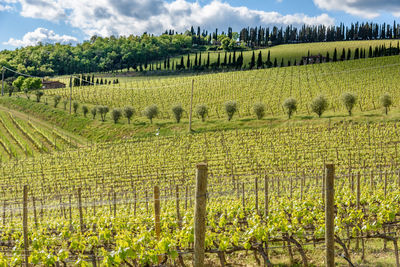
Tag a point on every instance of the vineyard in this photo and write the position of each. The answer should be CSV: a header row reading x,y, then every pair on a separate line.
x,y
367,78
20,138
95,205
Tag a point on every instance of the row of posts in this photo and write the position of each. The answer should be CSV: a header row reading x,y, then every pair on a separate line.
x,y
200,215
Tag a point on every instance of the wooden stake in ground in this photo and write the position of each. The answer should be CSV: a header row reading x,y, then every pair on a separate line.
x,y
191,108
80,209
200,215
329,215
157,216
25,225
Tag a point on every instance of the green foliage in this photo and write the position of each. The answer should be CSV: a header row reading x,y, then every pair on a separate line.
x,y
349,100
17,83
230,109
177,110
94,112
116,114
75,106
319,105
31,84
386,102
85,110
151,112
290,106
128,113
202,111
57,100
259,110
39,95
103,110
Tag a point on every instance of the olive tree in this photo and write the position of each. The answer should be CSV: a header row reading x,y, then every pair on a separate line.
x,y
103,110
39,95
319,105
202,111
349,100
290,106
128,113
386,102
65,102
57,100
259,110
75,106
116,114
94,112
151,112
177,110
230,109
85,110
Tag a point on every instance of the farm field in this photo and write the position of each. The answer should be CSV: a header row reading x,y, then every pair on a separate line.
x,y
114,222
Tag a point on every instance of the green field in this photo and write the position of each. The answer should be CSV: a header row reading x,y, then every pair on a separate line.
x,y
94,205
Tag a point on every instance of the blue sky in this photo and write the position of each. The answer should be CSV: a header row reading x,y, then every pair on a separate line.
x,y
26,22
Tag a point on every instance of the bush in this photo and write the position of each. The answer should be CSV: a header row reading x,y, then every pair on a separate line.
x,y
177,111
319,105
57,100
75,106
94,112
39,95
116,114
230,109
128,113
386,102
202,111
259,110
290,105
151,112
85,110
65,102
103,110
349,100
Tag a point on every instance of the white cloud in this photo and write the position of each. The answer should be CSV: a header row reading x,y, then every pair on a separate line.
x,y
364,8
125,17
41,35
5,8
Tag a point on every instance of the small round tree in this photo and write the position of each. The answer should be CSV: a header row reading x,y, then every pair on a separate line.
x,y
57,100
319,105
116,114
349,100
94,112
39,95
65,102
230,109
290,105
75,106
128,113
259,110
151,112
85,110
202,111
386,102
177,111
103,110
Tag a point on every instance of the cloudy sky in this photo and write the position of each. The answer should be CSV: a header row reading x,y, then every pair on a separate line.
x,y
26,22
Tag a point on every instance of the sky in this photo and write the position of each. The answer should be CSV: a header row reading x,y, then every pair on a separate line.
x,y
27,22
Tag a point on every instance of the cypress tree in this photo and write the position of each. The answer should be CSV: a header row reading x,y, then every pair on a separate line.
x,y
288,63
269,63
101,81
182,66
226,58
253,61
219,60
208,60
168,63
364,53
275,63
188,62
295,62
334,55
282,64
357,53
343,56
259,60
320,58
230,59
327,57
370,52
308,57
199,63
195,60
234,58
348,54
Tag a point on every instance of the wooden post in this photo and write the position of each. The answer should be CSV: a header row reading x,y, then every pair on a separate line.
x,y
243,201
70,98
80,209
157,216
178,213
200,215
25,225
191,108
358,206
34,212
256,192
266,187
115,204
329,215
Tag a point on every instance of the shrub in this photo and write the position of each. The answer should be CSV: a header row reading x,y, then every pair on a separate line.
x,y
65,102
230,109
39,95
202,111
151,112
116,114
349,100
75,106
290,105
128,113
103,110
177,111
319,105
85,110
57,100
259,110
94,112
386,102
